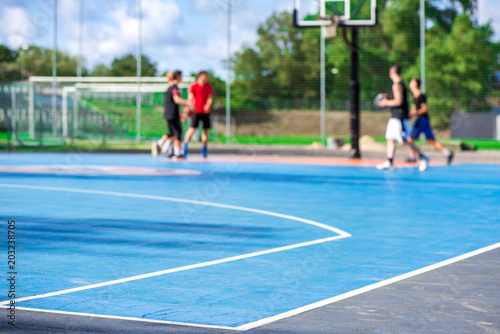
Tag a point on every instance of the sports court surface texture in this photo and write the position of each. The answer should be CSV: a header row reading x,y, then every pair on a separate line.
x,y
115,243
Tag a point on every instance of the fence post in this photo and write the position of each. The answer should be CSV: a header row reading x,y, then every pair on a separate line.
x,y
14,114
498,127
76,103
31,110
65,113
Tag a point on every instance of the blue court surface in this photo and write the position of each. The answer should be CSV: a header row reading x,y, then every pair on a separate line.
x,y
226,242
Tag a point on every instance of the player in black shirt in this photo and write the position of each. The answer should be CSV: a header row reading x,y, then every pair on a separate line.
x,y
172,117
422,124
398,123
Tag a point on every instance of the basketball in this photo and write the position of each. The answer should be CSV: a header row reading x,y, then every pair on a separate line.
x,y
188,112
377,100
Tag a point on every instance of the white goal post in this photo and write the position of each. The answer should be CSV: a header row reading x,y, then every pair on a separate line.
x,y
78,85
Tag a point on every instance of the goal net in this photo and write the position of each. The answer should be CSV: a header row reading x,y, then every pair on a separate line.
x,y
94,109
114,111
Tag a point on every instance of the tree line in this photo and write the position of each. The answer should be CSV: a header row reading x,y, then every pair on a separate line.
x,y
282,70
22,63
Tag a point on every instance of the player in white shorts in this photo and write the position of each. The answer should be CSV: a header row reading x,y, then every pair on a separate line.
x,y
398,123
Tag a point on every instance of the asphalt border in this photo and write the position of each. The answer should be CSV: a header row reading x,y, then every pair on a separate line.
x,y
479,156
462,297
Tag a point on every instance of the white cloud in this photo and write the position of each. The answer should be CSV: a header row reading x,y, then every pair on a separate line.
x,y
158,24
31,24
489,12
216,49
68,9
16,26
118,35
204,6
186,34
207,48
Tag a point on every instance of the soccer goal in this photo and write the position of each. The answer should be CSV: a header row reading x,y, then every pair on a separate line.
x,y
88,108
111,110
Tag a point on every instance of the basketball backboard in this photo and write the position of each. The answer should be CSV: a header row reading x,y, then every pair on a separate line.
x,y
315,13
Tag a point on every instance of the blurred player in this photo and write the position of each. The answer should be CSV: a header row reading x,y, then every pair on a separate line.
x,y
172,116
420,110
163,144
398,123
201,96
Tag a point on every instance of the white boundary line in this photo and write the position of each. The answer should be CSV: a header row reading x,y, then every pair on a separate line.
x,y
254,324
403,182
367,288
340,235
291,313
96,170
179,200
175,270
165,322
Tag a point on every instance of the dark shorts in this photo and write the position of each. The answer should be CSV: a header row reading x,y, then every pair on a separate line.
x,y
175,128
422,125
204,118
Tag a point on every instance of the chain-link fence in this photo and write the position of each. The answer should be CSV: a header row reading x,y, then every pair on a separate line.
x,y
31,115
274,78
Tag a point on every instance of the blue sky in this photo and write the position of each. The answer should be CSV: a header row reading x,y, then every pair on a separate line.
x,y
184,34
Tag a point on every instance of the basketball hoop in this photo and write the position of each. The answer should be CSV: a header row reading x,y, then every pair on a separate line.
x,y
332,14
330,31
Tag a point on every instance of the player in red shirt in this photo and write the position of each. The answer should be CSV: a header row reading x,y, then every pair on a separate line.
x,y
201,95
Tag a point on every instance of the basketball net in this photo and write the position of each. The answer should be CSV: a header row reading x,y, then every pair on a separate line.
x,y
330,31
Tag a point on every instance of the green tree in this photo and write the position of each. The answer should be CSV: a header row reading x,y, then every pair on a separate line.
x,y
35,61
249,80
282,70
284,64
219,87
7,55
38,61
101,71
9,71
127,67
401,31
459,66
443,13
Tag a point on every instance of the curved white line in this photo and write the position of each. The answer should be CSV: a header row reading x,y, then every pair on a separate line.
x,y
341,235
179,200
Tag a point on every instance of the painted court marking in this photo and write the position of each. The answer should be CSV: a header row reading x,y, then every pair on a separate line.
x,y
180,200
367,288
294,312
90,170
179,269
340,235
248,326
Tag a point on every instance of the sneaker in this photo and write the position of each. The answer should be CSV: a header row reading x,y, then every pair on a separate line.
x,y
204,152
411,160
450,158
167,147
424,163
385,166
154,149
184,150
170,153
